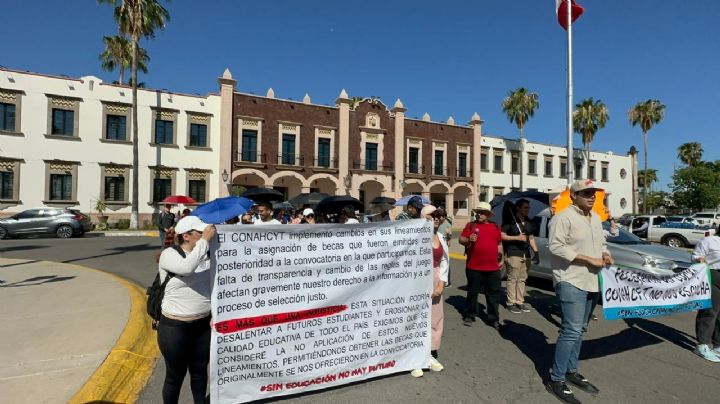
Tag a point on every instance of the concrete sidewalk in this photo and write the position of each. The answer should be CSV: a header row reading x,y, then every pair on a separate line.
x,y
60,323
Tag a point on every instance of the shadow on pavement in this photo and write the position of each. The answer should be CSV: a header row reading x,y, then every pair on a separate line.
x,y
545,305
38,280
659,330
118,251
533,343
21,248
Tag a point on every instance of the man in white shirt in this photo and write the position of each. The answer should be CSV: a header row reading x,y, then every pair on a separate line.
x,y
708,251
265,212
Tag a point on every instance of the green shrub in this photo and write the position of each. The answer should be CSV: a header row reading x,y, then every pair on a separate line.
x,y
148,225
123,224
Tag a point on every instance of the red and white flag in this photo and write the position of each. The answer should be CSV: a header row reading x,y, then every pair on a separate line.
x,y
576,11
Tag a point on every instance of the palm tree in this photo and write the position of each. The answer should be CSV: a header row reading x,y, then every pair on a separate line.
x,y
520,106
137,18
690,153
651,177
118,55
646,114
589,117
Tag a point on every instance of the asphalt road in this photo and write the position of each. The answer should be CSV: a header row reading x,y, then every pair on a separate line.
x,y
632,361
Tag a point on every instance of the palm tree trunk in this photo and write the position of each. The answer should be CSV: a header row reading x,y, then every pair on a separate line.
x,y
587,162
522,149
645,173
134,214
122,75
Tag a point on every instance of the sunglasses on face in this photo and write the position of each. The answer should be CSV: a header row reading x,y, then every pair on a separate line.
x,y
587,194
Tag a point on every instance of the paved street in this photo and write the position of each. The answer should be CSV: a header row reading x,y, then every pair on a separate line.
x,y
638,361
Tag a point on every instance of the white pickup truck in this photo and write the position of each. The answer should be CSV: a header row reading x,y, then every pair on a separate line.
x,y
660,231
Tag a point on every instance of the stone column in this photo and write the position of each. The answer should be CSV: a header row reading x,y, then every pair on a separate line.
x,y
399,111
634,173
449,201
227,89
476,125
343,102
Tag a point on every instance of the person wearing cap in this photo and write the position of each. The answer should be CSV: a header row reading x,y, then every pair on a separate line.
x,y
184,327
578,252
308,216
412,210
484,249
440,277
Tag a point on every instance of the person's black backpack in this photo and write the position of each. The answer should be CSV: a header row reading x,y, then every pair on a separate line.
x,y
156,292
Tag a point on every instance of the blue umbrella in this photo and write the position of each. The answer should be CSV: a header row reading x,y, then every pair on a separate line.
x,y
404,200
222,209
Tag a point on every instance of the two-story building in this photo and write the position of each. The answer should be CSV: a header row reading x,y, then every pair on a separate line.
x,y
67,142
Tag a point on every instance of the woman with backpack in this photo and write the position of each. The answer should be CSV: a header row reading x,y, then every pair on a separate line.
x,y
184,326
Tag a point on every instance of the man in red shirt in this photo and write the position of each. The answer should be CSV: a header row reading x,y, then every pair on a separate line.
x,y
483,244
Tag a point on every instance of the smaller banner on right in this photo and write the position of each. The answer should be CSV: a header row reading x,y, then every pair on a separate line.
x,y
628,293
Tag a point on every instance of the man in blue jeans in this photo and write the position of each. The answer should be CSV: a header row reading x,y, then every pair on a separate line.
x,y
578,252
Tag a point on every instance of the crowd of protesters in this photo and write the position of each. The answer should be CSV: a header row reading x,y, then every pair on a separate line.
x,y
578,250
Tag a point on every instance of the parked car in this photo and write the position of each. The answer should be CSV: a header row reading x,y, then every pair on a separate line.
x,y
63,223
628,250
707,218
660,230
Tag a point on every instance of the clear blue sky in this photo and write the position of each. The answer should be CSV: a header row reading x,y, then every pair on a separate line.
x,y
447,58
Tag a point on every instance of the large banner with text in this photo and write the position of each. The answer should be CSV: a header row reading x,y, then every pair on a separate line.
x,y
628,293
305,307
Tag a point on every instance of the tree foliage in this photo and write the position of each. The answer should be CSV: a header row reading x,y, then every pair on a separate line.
x,y
697,186
118,55
589,117
690,153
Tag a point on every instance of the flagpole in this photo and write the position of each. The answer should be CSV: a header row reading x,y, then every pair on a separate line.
x,y
570,155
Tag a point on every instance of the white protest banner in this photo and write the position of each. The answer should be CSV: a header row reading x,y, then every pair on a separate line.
x,y
305,307
630,293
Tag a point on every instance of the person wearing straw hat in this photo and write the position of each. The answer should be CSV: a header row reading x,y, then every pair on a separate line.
x,y
578,252
483,245
707,250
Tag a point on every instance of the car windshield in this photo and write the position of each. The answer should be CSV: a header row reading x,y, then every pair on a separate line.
x,y
623,237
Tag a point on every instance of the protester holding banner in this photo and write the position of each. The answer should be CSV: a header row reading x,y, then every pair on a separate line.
x,y
483,244
184,328
441,268
708,251
578,252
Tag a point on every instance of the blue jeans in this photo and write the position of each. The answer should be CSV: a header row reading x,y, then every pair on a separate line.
x,y
162,238
576,306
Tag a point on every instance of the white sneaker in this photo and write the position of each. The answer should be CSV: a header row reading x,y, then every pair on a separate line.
x,y
436,366
705,352
416,373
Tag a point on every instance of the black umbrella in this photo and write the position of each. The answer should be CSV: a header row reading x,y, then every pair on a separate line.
x,y
541,197
380,208
383,199
283,205
333,204
308,200
263,194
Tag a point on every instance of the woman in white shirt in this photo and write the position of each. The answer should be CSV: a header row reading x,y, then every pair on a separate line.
x,y
440,277
184,328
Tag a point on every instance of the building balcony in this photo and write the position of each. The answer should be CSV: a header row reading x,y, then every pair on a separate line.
x,y
371,165
438,171
250,159
290,159
324,164
463,175
415,170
